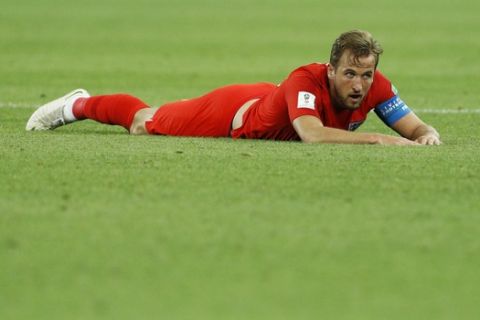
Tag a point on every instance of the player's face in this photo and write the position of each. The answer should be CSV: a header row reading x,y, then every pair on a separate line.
x,y
350,81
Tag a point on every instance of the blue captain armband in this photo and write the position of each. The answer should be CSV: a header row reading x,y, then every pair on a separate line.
x,y
392,110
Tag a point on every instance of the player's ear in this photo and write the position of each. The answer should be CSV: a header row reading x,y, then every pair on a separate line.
x,y
330,71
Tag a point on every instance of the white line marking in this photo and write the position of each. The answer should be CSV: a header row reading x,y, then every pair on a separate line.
x,y
14,105
448,111
24,105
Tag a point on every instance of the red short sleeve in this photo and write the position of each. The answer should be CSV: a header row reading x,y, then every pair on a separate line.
x,y
302,94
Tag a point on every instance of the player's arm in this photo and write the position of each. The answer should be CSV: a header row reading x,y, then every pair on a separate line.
x,y
311,130
398,116
413,128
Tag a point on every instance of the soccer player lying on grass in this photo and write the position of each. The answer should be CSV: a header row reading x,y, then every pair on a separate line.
x,y
320,103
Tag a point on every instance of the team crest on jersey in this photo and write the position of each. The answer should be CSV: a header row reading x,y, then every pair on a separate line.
x,y
306,100
352,126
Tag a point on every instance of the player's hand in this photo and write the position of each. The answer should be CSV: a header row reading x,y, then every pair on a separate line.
x,y
383,139
429,140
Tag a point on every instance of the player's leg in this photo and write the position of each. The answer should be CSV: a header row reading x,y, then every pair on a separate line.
x,y
117,109
209,115
141,117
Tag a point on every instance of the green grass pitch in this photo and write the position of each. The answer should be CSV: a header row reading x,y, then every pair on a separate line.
x,y
97,224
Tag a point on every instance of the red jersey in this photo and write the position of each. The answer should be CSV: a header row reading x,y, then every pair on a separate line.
x,y
306,92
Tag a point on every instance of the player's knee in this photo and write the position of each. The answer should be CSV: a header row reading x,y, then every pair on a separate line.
x,y
138,127
137,130
138,124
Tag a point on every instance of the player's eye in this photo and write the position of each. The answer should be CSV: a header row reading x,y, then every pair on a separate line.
x,y
350,74
368,74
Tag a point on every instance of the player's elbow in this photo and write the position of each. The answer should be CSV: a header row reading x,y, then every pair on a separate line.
x,y
309,129
311,138
314,136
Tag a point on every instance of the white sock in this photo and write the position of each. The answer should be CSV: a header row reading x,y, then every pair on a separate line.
x,y
68,111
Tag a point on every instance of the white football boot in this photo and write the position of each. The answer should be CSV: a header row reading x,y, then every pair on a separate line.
x,y
50,115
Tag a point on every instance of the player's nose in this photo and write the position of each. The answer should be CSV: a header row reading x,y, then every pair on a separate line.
x,y
357,87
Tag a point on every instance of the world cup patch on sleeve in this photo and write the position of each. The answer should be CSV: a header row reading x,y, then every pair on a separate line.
x,y
306,100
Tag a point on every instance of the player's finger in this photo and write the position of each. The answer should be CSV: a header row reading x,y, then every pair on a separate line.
x,y
433,141
421,140
408,142
429,141
436,141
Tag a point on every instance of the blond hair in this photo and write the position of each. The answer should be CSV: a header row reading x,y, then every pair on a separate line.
x,y
359,43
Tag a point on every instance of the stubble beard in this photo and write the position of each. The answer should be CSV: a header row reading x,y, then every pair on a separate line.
x,y
341,103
